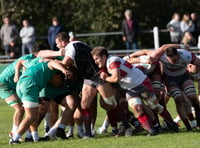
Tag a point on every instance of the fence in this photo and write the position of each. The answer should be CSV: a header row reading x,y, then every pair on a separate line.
x,y
155,31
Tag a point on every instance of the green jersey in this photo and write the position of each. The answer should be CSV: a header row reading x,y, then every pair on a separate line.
x,y
7,75
40,73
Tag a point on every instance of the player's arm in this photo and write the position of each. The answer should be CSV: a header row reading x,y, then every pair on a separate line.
x,y
134,60
140,53
19,65
50,53
156,54
67,61
53,64
114,77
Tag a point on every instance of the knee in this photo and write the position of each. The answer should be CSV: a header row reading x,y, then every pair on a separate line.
x,y
138,110
85,104
30,117
77,116
72,105
19,110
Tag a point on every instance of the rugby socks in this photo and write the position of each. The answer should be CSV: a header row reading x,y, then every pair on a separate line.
x,y
62,126
131,118
14,128
167,117
144,120
112,118
35,136
190,117
92,129
197,113
16,137
121,116
28,134
71,129
47,120
52,132
177,119
187,124
87,121
80,128
105,123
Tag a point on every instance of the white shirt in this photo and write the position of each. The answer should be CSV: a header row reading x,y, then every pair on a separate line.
x,y
70,51
185,57
27,34
131,76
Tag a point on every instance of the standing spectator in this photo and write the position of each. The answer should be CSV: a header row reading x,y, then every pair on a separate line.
x,y
130,29
196,21
186,24
8,34
188,39
54,29
174,28
27,34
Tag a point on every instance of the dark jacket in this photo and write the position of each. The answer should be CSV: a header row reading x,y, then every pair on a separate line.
x,y
131,35
52,32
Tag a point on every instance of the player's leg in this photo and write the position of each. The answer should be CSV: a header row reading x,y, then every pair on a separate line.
x,y
88,94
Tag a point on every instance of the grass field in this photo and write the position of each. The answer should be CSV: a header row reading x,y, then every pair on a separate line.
x,y
182,139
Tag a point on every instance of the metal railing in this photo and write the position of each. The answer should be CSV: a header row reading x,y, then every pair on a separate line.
x,y
121,52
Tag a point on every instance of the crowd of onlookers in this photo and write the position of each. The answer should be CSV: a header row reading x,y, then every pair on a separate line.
x,y
185,30
10,36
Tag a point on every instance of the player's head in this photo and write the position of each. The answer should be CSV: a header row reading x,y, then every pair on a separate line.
x,y
39,46
57,80
62,39
172,55
100,55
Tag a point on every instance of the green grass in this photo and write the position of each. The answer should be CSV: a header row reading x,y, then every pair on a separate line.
x,y
165,140
182,139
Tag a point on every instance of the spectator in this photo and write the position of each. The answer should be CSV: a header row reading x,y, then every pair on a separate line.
x,y
186,24
27,34
130,29
14,50
196,21
54,29
8,34
188,39
174,28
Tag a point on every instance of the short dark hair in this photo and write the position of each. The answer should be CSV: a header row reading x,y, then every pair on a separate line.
x,y
99,51
63,36
39,46
171,52
55,19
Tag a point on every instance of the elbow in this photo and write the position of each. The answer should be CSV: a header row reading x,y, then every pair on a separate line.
x,y
116,80
164,46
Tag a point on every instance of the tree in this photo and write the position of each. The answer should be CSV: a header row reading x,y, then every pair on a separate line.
x,y
90,16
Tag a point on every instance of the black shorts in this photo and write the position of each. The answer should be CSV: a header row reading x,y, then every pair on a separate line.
x,y
95,81
176,81
59,98
44,99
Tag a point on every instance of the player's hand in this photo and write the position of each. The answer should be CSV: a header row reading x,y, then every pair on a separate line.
x,y
103,75
16,78
68,74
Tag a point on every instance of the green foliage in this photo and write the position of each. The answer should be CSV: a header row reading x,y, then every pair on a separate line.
x,y
90,16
